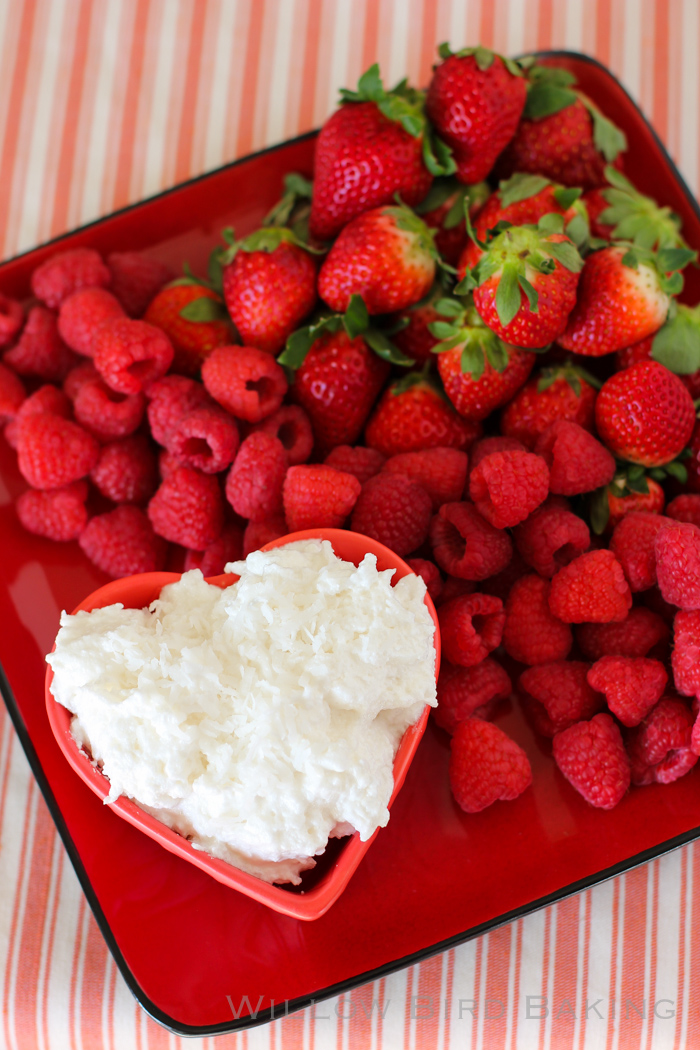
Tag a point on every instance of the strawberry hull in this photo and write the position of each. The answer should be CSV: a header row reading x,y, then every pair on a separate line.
x,y
436,876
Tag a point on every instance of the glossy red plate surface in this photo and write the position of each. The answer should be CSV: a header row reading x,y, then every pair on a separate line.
x,y
435,875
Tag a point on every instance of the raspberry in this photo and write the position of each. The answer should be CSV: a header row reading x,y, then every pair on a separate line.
x,y
429,573
247,382
593,759
362,463
52,451
122,542
486,766
678,564
136,279
562,690
685,659
486,446
292,426
502,583
57,514
466,691
590,589
205,438
532,634
188,509
82,373
129,355
41,351
685,508
47,399
67,272
454,588
659,747
318,497
394,510
441,471
254,483
169,400
212,561
106,413
12,394
82,313
470,628
577,461
633,544
126,471
634,636
507,486
551,537
632,685
466,545
258,533
11,320
167,463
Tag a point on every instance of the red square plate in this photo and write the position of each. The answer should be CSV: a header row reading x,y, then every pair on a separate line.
x,y
189,947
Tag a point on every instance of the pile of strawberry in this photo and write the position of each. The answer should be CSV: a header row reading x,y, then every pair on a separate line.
x,y
365,359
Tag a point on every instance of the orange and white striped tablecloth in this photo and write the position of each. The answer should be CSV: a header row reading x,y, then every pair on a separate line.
x,y
104,102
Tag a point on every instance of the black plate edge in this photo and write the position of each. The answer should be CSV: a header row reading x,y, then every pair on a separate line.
x,y
301,1003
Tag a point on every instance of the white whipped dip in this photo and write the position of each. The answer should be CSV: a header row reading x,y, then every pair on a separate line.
x,y
259,720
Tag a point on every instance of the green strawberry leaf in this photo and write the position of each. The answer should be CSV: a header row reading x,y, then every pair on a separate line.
x,y
552,222
356,317
466,285
638,485
677,344
578,230
204,309
617,179
677,471
658,474
496,354
437,155
441,330
447,344
599,510
298,345
608,139
674,258
566,195
483,57
507,295
566,254
472,361
215,270
385,349
449,307
520,187
439,192
532,295
455,215
544,99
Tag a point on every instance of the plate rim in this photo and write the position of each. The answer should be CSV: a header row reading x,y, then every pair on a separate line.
x,y
302,1002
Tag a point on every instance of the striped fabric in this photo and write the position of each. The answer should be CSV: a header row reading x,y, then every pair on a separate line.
x,y
104,102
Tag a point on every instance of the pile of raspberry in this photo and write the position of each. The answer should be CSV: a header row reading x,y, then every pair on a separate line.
x,y
147,467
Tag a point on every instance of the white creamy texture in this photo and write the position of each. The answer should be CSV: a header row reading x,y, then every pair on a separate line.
x,y
261,719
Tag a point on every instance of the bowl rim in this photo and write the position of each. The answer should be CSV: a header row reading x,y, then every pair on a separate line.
x,y
141,590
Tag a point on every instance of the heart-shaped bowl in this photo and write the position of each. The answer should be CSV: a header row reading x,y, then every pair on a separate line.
x,y
321,886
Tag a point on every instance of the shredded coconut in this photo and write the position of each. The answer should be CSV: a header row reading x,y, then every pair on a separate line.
x,y
258,720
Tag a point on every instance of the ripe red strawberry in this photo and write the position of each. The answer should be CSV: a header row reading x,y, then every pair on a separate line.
x,y
194,319
269,286
416,340
369,150
645,414
623,501
562,134
525,282
474,101
562,392
624,296
386,255
414,415
522,200
478,370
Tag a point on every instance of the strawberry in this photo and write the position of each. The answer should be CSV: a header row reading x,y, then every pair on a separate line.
x,y
624,296
341,363
443,211
676,345
269,285
386,255
478,370
619,212
522,200
414,415
475,99
525,282
562,134
194,319
622,500
377,144
562,392
414,337
645,414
